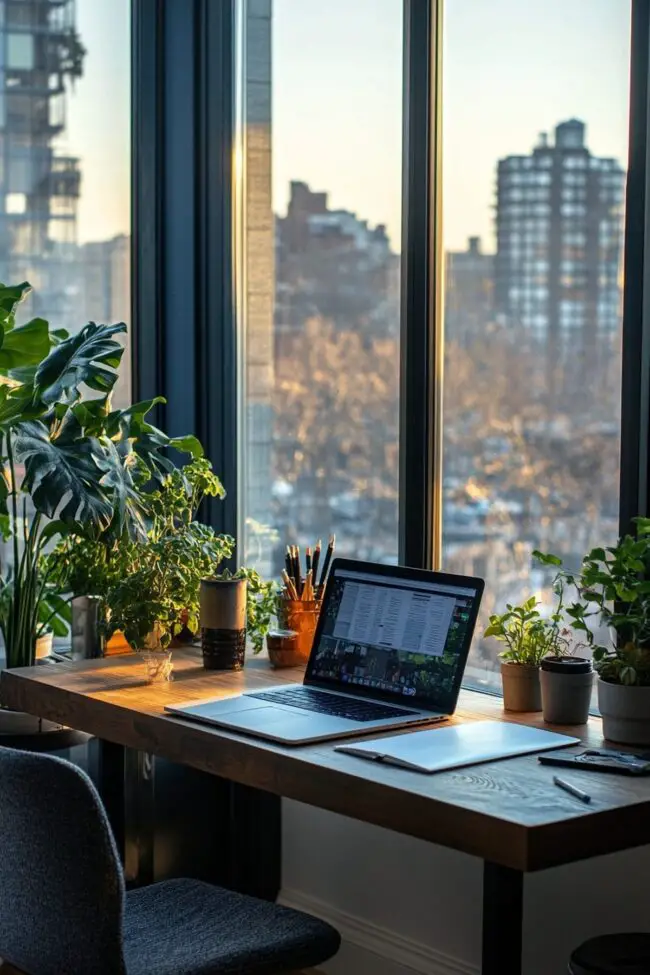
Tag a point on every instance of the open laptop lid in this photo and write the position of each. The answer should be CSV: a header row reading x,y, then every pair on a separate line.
x,y
394,633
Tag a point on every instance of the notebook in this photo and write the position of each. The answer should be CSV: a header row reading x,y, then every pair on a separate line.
x,y
458,745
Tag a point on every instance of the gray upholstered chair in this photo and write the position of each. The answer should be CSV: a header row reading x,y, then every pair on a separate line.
x,y
64,909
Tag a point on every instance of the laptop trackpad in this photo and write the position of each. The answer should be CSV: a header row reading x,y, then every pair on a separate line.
x,y
270,721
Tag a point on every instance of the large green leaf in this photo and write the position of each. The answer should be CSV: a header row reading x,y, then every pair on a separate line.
x,y
91,357
10,297
17,405
116,480
25,345
63,478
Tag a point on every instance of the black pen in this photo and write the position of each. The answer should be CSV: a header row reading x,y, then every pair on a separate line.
x,y
328,559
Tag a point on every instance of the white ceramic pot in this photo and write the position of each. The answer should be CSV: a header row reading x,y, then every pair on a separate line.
x,y
626,713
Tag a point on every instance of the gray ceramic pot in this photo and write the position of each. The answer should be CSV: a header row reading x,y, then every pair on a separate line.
x,y
626,713
521,688
567,683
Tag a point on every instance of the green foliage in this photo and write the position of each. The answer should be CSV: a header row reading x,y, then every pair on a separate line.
x,y
261,601
528,636
84,464
151,583
614,591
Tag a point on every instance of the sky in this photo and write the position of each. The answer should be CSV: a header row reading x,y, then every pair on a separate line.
x,y
99,119
512,68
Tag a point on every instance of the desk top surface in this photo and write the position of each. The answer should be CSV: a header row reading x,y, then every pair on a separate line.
x,y
508,811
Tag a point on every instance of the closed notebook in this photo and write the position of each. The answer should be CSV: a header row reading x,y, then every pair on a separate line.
x,y
457,745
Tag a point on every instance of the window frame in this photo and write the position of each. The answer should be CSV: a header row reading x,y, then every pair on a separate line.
x,y
185,336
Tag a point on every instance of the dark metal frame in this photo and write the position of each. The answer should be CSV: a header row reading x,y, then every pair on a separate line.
x,y
184,327
635,406
421,283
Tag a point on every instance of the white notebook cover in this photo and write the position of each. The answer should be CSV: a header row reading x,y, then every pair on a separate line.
x,y
457,745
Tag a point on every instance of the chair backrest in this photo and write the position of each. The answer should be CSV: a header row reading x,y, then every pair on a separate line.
x,y
61,886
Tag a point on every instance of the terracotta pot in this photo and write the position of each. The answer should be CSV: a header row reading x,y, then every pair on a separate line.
x,y
44,645
521,687
626,713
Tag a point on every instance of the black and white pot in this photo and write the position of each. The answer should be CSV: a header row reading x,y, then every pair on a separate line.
x,y
521,688
626,713
567,683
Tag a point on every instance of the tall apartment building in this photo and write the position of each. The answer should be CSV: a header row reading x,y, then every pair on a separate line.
x,y
333,265
469,293
39,189
559,221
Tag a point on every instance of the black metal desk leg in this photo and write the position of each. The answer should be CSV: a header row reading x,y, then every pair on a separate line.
x,y
503,920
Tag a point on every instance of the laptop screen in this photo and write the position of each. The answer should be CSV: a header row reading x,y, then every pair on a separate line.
x,y
392,636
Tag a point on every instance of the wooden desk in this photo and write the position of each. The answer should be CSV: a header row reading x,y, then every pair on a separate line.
x,y
508,813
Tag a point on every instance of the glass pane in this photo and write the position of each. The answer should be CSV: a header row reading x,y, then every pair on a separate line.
x,y
321,208
535,148
65,160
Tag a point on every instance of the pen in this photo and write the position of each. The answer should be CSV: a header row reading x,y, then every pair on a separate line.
x,y
571,789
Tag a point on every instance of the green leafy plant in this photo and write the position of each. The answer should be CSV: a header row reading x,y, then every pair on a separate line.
x,y
613,586
70,465
529,636
151,584
261,602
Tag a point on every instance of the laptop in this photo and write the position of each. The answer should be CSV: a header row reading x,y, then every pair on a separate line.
x,y
389,652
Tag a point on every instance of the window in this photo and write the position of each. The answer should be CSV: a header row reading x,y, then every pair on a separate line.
x,y
65,161
531,456
321,89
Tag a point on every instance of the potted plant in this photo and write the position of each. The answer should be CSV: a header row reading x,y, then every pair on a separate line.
x,y
566,679
70,464
149,586
614,594
524,633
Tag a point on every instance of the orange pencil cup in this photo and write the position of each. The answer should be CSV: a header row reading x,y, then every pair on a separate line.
x,y
301,616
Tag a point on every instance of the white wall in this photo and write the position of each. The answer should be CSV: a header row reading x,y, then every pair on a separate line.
x,y
402,905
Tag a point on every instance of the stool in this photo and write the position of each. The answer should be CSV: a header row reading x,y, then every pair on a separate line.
x,y
612,954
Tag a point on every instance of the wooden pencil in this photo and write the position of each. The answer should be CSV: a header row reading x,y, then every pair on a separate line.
x,y
290,587
326,565
315,563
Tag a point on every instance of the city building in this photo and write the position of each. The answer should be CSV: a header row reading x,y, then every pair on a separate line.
x,y
559,219
103,294
39,188
469,293
334,265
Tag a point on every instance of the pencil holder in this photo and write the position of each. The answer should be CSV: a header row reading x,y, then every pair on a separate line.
x,y
223,623
301,616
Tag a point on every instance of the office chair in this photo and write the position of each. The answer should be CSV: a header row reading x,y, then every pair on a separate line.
x,y
64,909
612,954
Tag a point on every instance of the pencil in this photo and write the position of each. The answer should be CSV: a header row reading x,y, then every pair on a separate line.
x,y
308,559
315,563
296,569
291,589
307,590
328,559
288,563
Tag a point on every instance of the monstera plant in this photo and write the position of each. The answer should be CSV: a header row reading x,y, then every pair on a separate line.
x,y
71,465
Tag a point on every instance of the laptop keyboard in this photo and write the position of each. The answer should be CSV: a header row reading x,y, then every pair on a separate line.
x,y
354,709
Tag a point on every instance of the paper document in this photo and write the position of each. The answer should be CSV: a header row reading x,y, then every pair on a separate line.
x,y
457,745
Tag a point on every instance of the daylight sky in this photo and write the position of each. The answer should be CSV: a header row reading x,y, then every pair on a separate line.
x,y
512,68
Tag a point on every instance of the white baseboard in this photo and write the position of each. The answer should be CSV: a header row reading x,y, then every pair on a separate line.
x,y
366,947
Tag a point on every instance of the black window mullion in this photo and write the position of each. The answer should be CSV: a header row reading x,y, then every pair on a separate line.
x,y
635,405
421,319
